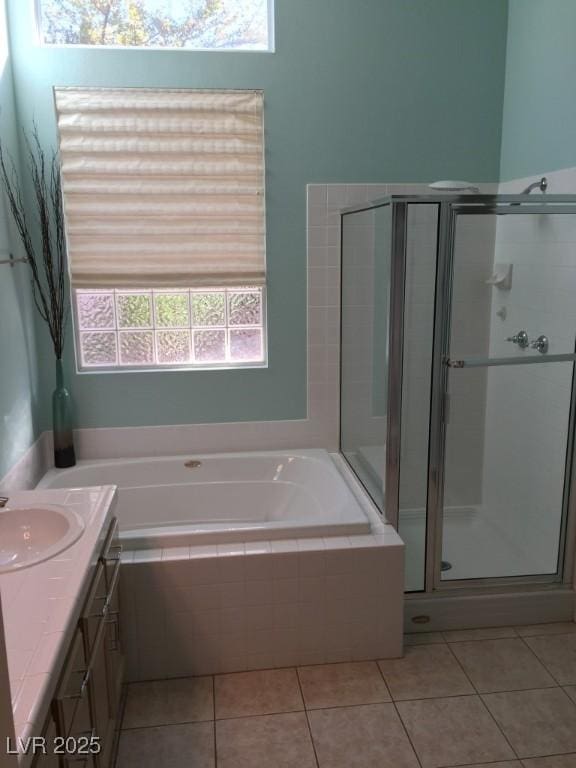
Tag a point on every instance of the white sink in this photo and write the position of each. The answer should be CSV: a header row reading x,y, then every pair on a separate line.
x,y
30,535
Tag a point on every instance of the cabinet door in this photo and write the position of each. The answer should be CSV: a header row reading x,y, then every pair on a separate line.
x,y
73,709
104,719
103,647
114,656
49,759
72,706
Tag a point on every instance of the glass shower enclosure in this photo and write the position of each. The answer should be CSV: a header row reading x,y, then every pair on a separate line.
x,y
457,382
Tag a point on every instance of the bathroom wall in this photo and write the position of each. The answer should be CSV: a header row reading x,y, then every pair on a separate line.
x,y
349,96
18,378
539,114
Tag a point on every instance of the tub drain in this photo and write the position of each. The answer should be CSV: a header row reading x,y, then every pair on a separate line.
x,y
446,566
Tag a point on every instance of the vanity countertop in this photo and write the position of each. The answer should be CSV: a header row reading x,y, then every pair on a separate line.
x,y
41,604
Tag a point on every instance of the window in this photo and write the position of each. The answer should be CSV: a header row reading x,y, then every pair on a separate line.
x,y
185,24
144,329
165,226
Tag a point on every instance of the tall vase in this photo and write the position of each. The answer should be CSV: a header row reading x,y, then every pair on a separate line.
x,y
64,455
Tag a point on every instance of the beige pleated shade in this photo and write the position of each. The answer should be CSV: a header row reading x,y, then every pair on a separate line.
x,y
162,188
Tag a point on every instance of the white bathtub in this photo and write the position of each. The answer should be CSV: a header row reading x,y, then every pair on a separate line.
x,y
191,500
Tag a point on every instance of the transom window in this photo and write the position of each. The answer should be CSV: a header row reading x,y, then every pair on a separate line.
x,y
185,24
170,328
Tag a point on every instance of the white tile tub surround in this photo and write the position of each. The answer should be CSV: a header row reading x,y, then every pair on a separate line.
x,y
32,466
235,607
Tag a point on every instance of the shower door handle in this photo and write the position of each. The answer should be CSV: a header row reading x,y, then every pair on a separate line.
x,y
486,362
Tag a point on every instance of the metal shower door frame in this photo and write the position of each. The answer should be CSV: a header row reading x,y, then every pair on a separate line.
x,y
441,365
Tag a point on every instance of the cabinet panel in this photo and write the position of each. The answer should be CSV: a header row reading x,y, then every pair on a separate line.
x,y
72,702
87,703
48,760
114,656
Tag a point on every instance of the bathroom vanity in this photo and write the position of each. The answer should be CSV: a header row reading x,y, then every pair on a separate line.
x,y
61,628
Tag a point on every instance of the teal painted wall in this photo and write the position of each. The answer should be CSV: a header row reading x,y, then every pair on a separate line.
x,y
369,90
18,369
539,116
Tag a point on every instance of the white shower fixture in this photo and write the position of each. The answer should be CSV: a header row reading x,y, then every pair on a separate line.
x,y
454,186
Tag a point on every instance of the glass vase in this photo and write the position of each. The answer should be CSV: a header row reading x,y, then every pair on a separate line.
x,y
64,455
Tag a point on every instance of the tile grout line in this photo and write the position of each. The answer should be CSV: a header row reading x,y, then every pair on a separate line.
x,y
539,660
260,714
399,716
405,729
480,639
307,718
489,762
484,703
166,725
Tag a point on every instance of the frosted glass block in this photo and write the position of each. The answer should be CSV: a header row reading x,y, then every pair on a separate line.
x,y
172,310
134,310
95,310
246,344
98,348
136,347
173,346
210,346
208,308
244,308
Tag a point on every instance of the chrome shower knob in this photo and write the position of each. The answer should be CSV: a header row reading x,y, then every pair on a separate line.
x,y
541,344
520,338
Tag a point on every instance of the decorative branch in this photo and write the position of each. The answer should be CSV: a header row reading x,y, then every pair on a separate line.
x,y
47,266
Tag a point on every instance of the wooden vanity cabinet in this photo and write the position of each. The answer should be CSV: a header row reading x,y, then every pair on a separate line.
x,y
48,759
87,702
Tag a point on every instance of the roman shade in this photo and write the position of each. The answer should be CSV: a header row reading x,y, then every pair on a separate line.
x,y
162,188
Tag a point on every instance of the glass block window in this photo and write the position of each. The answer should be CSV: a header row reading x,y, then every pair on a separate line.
x,y
193,25
147,329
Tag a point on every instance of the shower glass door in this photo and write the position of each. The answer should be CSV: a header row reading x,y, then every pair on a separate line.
x,y
365,324
506,372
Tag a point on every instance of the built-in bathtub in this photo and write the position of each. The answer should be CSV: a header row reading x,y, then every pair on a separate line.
x,y
222,498
248,561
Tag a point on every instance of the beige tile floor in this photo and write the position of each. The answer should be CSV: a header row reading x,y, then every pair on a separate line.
x,y
490,698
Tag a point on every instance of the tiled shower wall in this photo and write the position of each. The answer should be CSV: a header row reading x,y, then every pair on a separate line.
x,y
528,406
